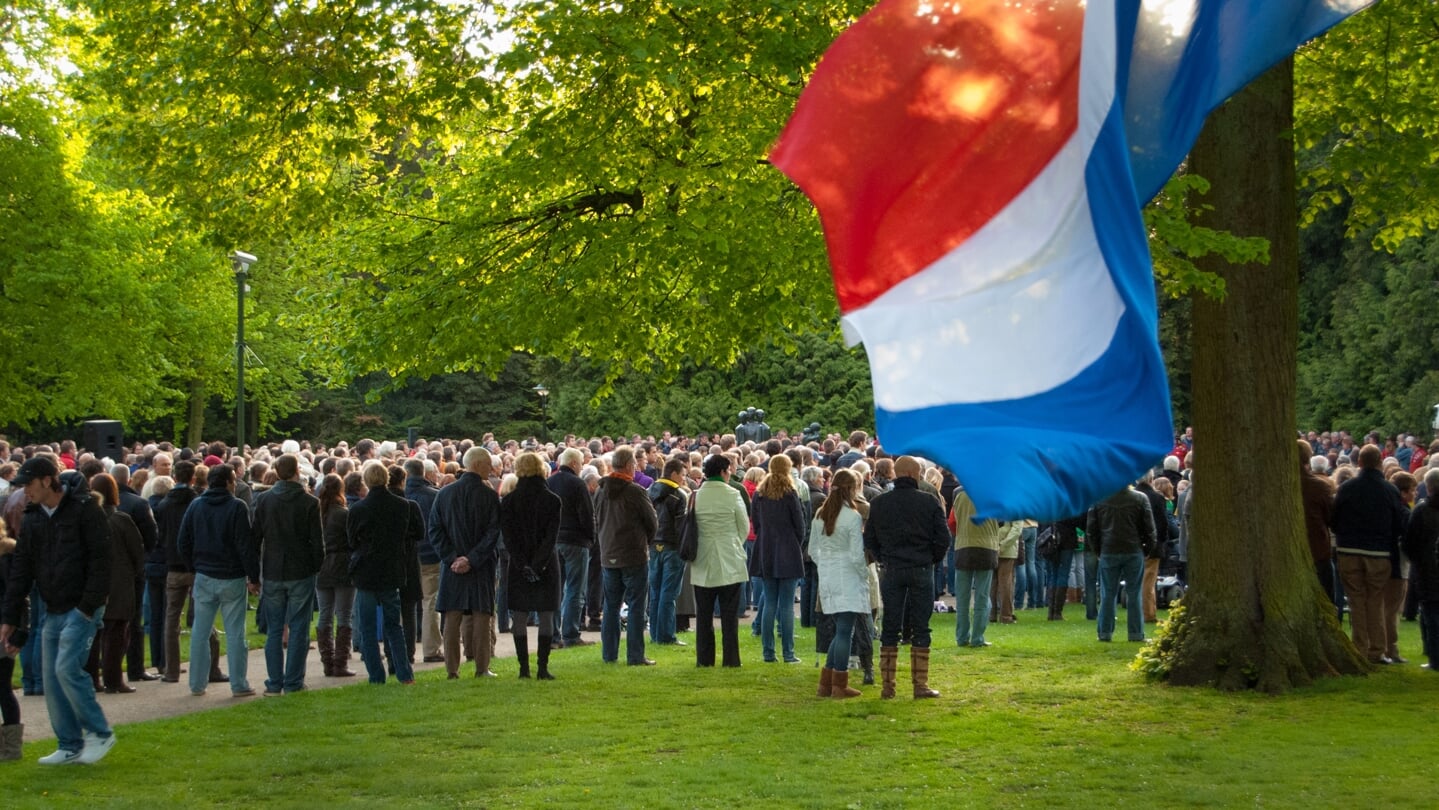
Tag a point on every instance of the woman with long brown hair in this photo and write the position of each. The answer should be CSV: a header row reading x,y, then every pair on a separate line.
x,y
836,544
778,554
127,562
334,592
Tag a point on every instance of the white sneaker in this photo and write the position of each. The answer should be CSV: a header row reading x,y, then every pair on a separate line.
x,y
61,757
96,747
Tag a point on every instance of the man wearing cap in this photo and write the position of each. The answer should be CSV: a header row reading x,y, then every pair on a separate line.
x,y
64,547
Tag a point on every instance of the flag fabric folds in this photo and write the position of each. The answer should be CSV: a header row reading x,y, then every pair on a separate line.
x,y
979,168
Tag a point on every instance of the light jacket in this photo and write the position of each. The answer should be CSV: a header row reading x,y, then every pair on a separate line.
x,y
723,523
839,558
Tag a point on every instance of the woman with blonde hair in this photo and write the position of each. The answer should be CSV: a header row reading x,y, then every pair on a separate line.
x,y
530,522
837,546
778,558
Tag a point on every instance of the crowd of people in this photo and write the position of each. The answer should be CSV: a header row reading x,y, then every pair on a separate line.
x,y
432,550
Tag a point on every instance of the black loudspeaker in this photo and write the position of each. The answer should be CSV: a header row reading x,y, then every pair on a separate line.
x,y
106,439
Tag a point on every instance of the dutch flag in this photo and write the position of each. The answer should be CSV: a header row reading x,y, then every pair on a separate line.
x,y
979,168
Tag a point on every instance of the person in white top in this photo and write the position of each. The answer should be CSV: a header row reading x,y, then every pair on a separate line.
x,y
836,544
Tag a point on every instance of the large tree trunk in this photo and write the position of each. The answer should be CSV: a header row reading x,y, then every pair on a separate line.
x,y
1255,616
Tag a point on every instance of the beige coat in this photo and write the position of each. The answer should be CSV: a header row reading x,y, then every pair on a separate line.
x,y
723,524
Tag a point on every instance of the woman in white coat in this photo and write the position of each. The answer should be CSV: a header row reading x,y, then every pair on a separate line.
x,y
836,544
719,567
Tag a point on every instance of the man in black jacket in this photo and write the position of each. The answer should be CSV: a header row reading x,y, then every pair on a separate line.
x,y
419,490
667,570
180,580
1159,510
1121,530
907,535
1368,520
215,541
576,540
288,535
64,547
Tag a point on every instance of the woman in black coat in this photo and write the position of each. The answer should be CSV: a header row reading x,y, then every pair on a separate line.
x,y
127,565
778,554
334,592
530,522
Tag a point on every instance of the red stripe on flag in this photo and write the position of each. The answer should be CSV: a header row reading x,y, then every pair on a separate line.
x,y
923,121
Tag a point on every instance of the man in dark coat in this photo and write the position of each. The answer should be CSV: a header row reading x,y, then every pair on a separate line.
x,y
419,489
625,522
64,547
288,534
906,532
1368,520
575,543
215,542
383,529
1121,530
464,528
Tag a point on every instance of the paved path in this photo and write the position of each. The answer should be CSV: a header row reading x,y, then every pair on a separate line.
x,y
156,699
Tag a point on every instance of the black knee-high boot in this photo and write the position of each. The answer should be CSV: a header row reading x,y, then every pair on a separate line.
x,y
522,649
544,657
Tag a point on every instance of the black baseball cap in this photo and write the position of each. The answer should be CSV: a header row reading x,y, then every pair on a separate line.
x,y
37,467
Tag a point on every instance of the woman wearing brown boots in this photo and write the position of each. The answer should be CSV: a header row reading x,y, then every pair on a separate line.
x,y
334,593
127,553
530,523
836,544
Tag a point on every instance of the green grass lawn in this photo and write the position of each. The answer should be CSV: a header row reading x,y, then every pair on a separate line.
x,y
1047,717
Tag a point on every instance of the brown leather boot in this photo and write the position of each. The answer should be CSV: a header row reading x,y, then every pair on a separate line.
x,y
340,659
919,672
826,683
325,640
888,662
840,685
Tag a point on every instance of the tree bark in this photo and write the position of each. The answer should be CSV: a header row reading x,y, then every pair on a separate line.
x,y
1254,616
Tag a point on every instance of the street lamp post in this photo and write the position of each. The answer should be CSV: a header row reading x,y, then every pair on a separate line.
x,y
241,262
544,395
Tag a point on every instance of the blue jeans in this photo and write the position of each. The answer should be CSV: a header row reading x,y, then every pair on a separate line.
x,y
1059,569
388,605
32,680
779,604
69,692
756,592
667,572
1026,576
624,586
908,597
975,585
839,648
1091,585
288,603
575,565
1113,568
227,598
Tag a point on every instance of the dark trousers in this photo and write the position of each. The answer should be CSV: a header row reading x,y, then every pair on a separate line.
x,y
108,651
807,590
595,587
9,706
135,647
409,613
157,621
1324,569
908,596
727,597
1429,628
